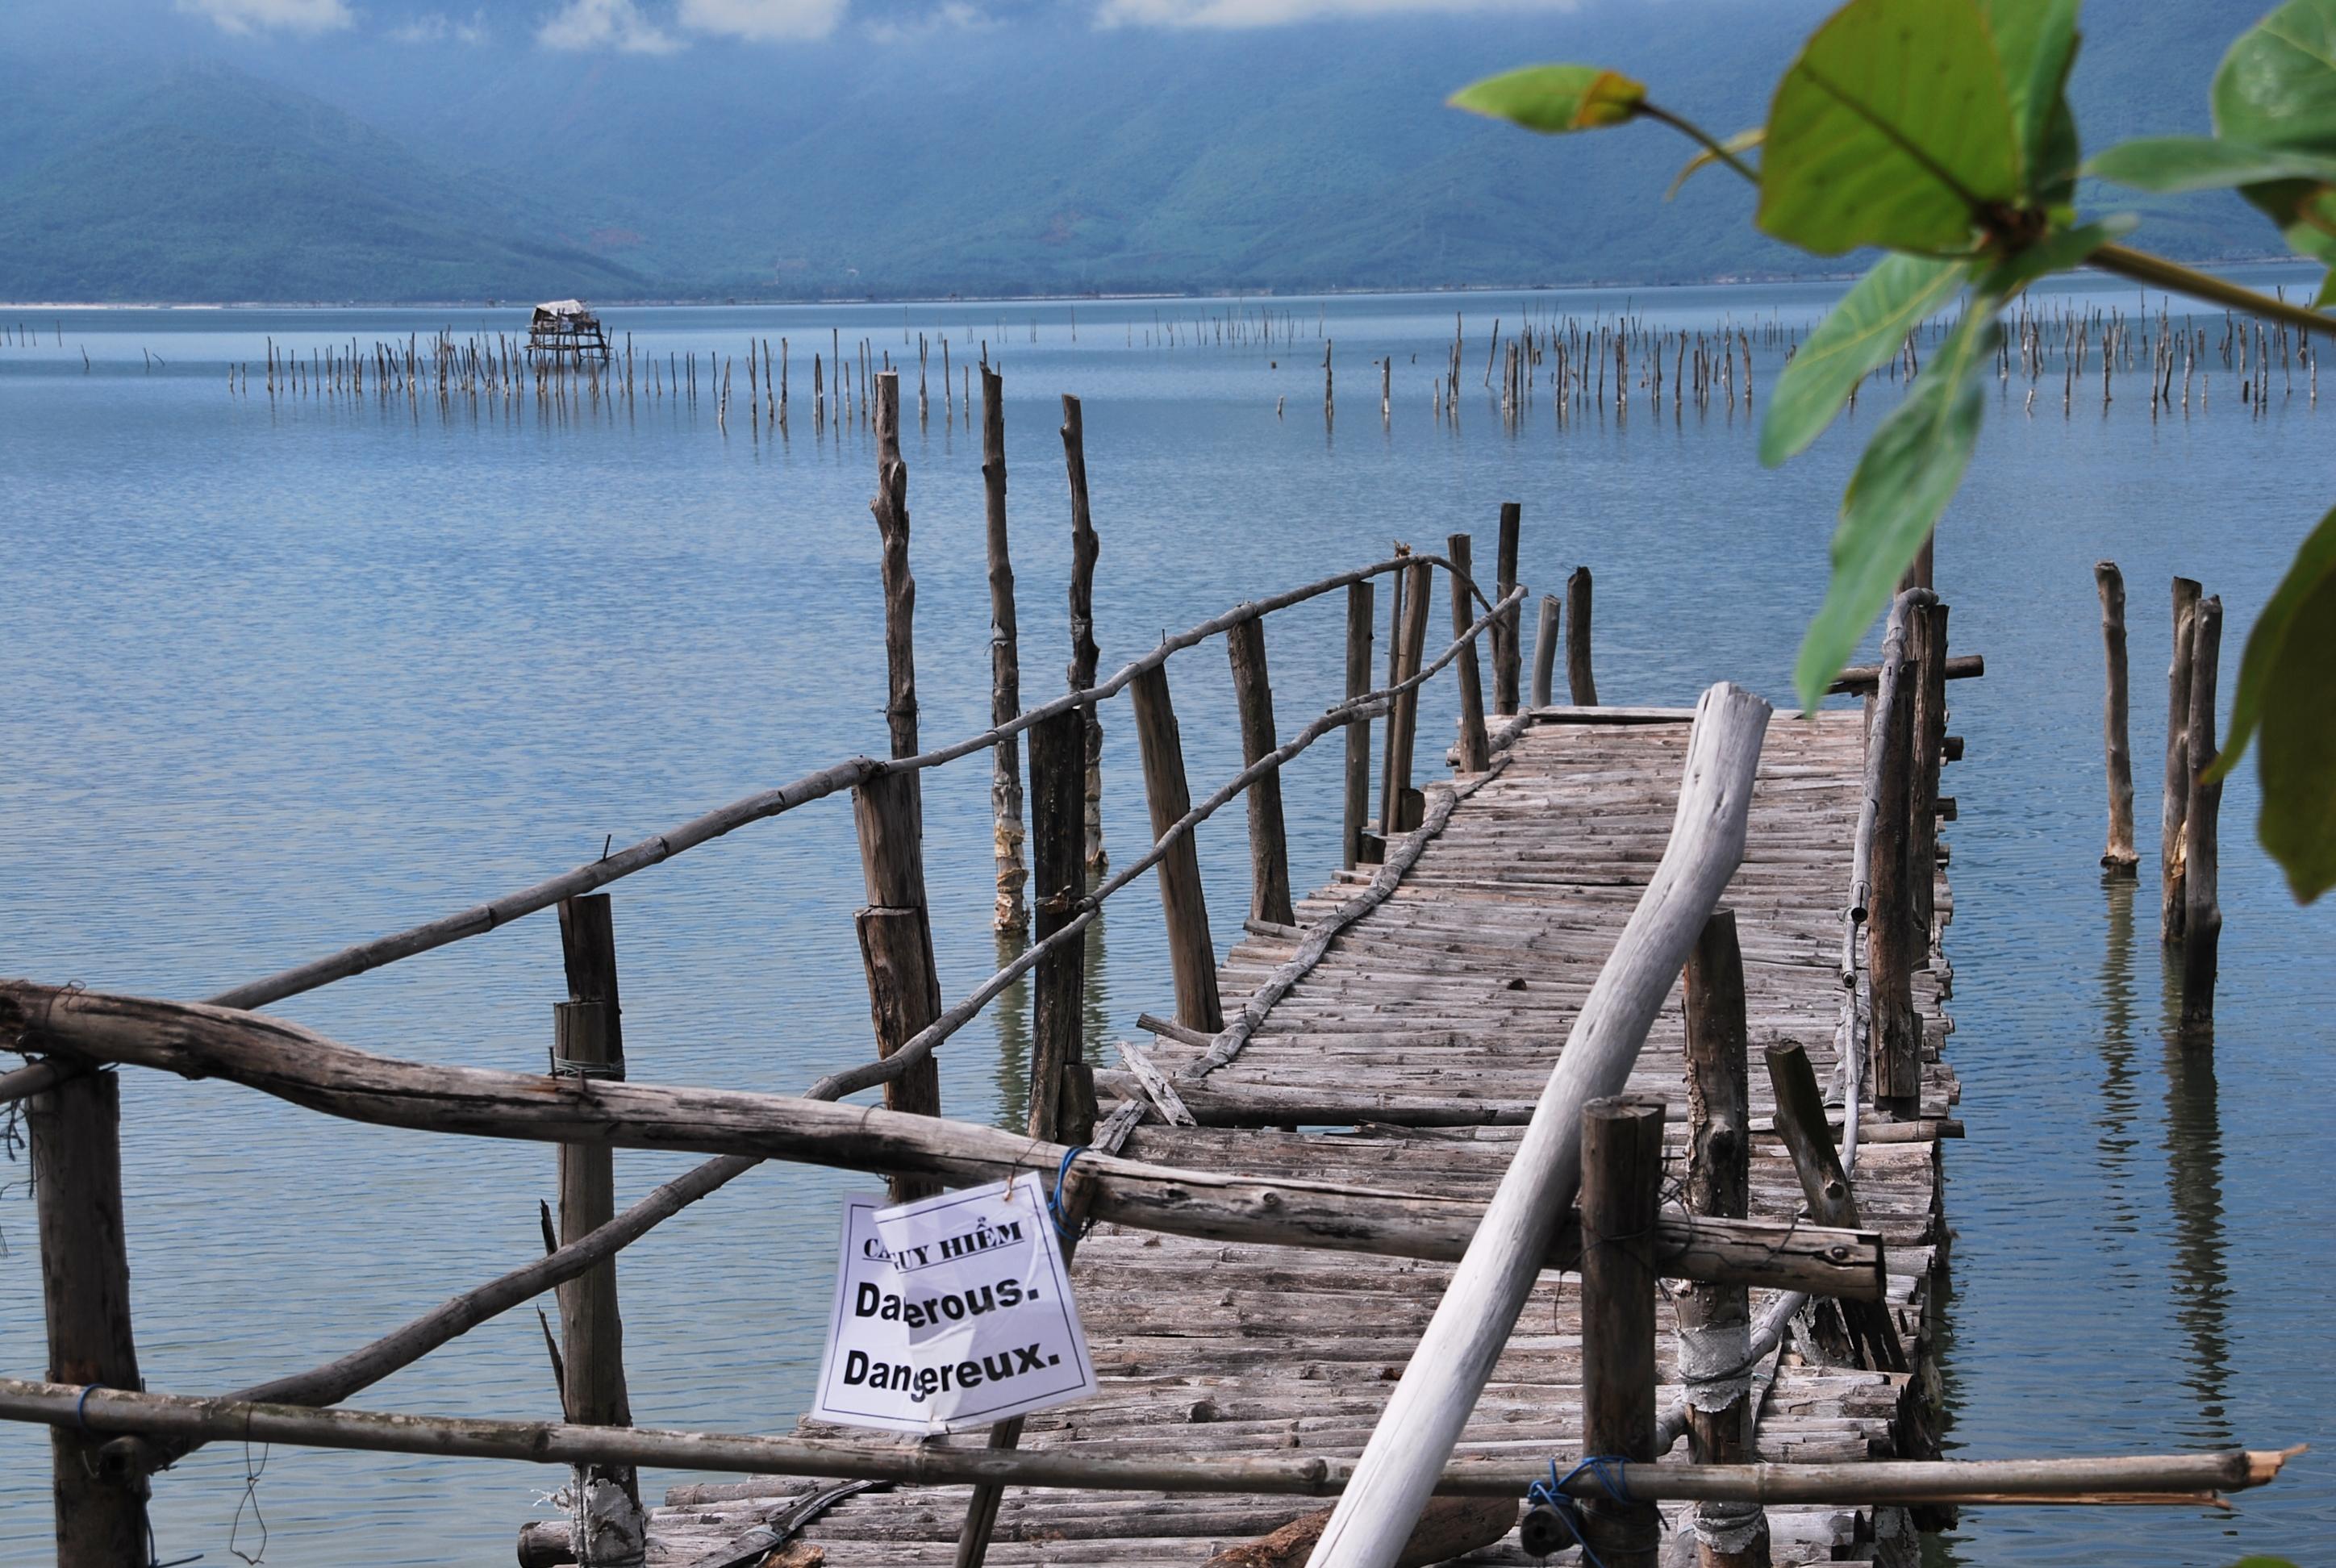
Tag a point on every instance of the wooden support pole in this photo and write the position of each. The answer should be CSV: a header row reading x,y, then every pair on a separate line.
x,y
2120,858
1896,1032
891,506
1085,548
592,1335
1926,648
1398,603
1622,1192
1475,747
1359,597
1824,1183
2176,809
1546,648
2202,909
77,1167
1192,952
1397,813
1715,1320
896,942
1269,849
1010,916
1507,656
1578,676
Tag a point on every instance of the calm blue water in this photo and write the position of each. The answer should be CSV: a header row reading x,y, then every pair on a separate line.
x,y
281,675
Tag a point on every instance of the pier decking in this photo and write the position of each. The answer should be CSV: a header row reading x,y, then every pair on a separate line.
x,y
1460,986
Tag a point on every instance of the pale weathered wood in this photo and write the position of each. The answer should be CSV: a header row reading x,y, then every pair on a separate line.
x,y
891,507
1507,656
1475,747
896,942
1085,548
2202,907
1268,848
1191,951
1715,1320
75,1129
1622,1192
2176,802
1357,801
1010,916
1448,1527
1579,678
1415,1432
1403,717
2120,857
1545,650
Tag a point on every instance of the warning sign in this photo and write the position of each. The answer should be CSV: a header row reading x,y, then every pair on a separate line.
x,y
951,1312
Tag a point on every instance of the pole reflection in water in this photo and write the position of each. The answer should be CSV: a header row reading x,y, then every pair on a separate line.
x,y
2201,1279
1012,1009
2120,1216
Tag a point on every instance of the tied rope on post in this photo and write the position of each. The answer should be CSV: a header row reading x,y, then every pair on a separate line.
x,y
1055,1210
1550,1508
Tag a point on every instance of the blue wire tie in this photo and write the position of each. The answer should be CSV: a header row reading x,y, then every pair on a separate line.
x,y
1054,1199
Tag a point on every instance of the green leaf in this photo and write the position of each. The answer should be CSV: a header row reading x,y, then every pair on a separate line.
x,y
1742,142
1554,99
2277,85
2056,252
2036,40
2175,163
1857,336
1893,128
1902,483
2285,692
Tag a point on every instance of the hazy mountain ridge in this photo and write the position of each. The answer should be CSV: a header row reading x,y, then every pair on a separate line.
x,y
1039,154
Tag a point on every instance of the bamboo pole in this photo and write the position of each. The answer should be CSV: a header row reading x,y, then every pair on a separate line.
x,y
2202,909
1622,1191
1715,1320
1192,952
2119,858
1415,1434
1358,802
1546,634
1578,675
2176,806
75,1129
1507,656
2176,1479
1005,661
1269,849
1475,747
1085,548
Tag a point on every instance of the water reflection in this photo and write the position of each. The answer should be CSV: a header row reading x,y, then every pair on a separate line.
x,y
2114,1119
2201,1279
1012,1011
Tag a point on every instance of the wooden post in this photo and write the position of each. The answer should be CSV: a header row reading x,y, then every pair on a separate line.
x,y
1397,603
896,943
1896,1033
1507,656
2121,856
1824,1183
1715,1320
891,506
2202,910
1621,1194
1085,548
76,1168
1926,648
592,1335
1545,650
2177,764
1396,812
1476,748
1269,850
1577,639
1005,663
1359,596
1192,952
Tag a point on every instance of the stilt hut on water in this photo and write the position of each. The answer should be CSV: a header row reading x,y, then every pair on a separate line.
x,y
566,326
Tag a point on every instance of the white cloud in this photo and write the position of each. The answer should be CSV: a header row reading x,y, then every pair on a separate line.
x,y
953,16
437,28
763,20
1272,13
261,15
605,25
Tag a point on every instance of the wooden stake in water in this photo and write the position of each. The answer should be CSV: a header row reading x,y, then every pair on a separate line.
x,y
2120,858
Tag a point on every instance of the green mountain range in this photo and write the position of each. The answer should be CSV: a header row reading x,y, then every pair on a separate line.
x,y
154,156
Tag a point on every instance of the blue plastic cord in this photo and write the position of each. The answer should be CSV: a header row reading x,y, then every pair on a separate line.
x,y
1553,1494
1054,1198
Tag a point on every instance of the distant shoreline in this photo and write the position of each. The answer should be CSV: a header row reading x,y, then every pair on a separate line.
x,y
1729,280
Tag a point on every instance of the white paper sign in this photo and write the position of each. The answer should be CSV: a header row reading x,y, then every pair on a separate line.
x,y
951,1312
